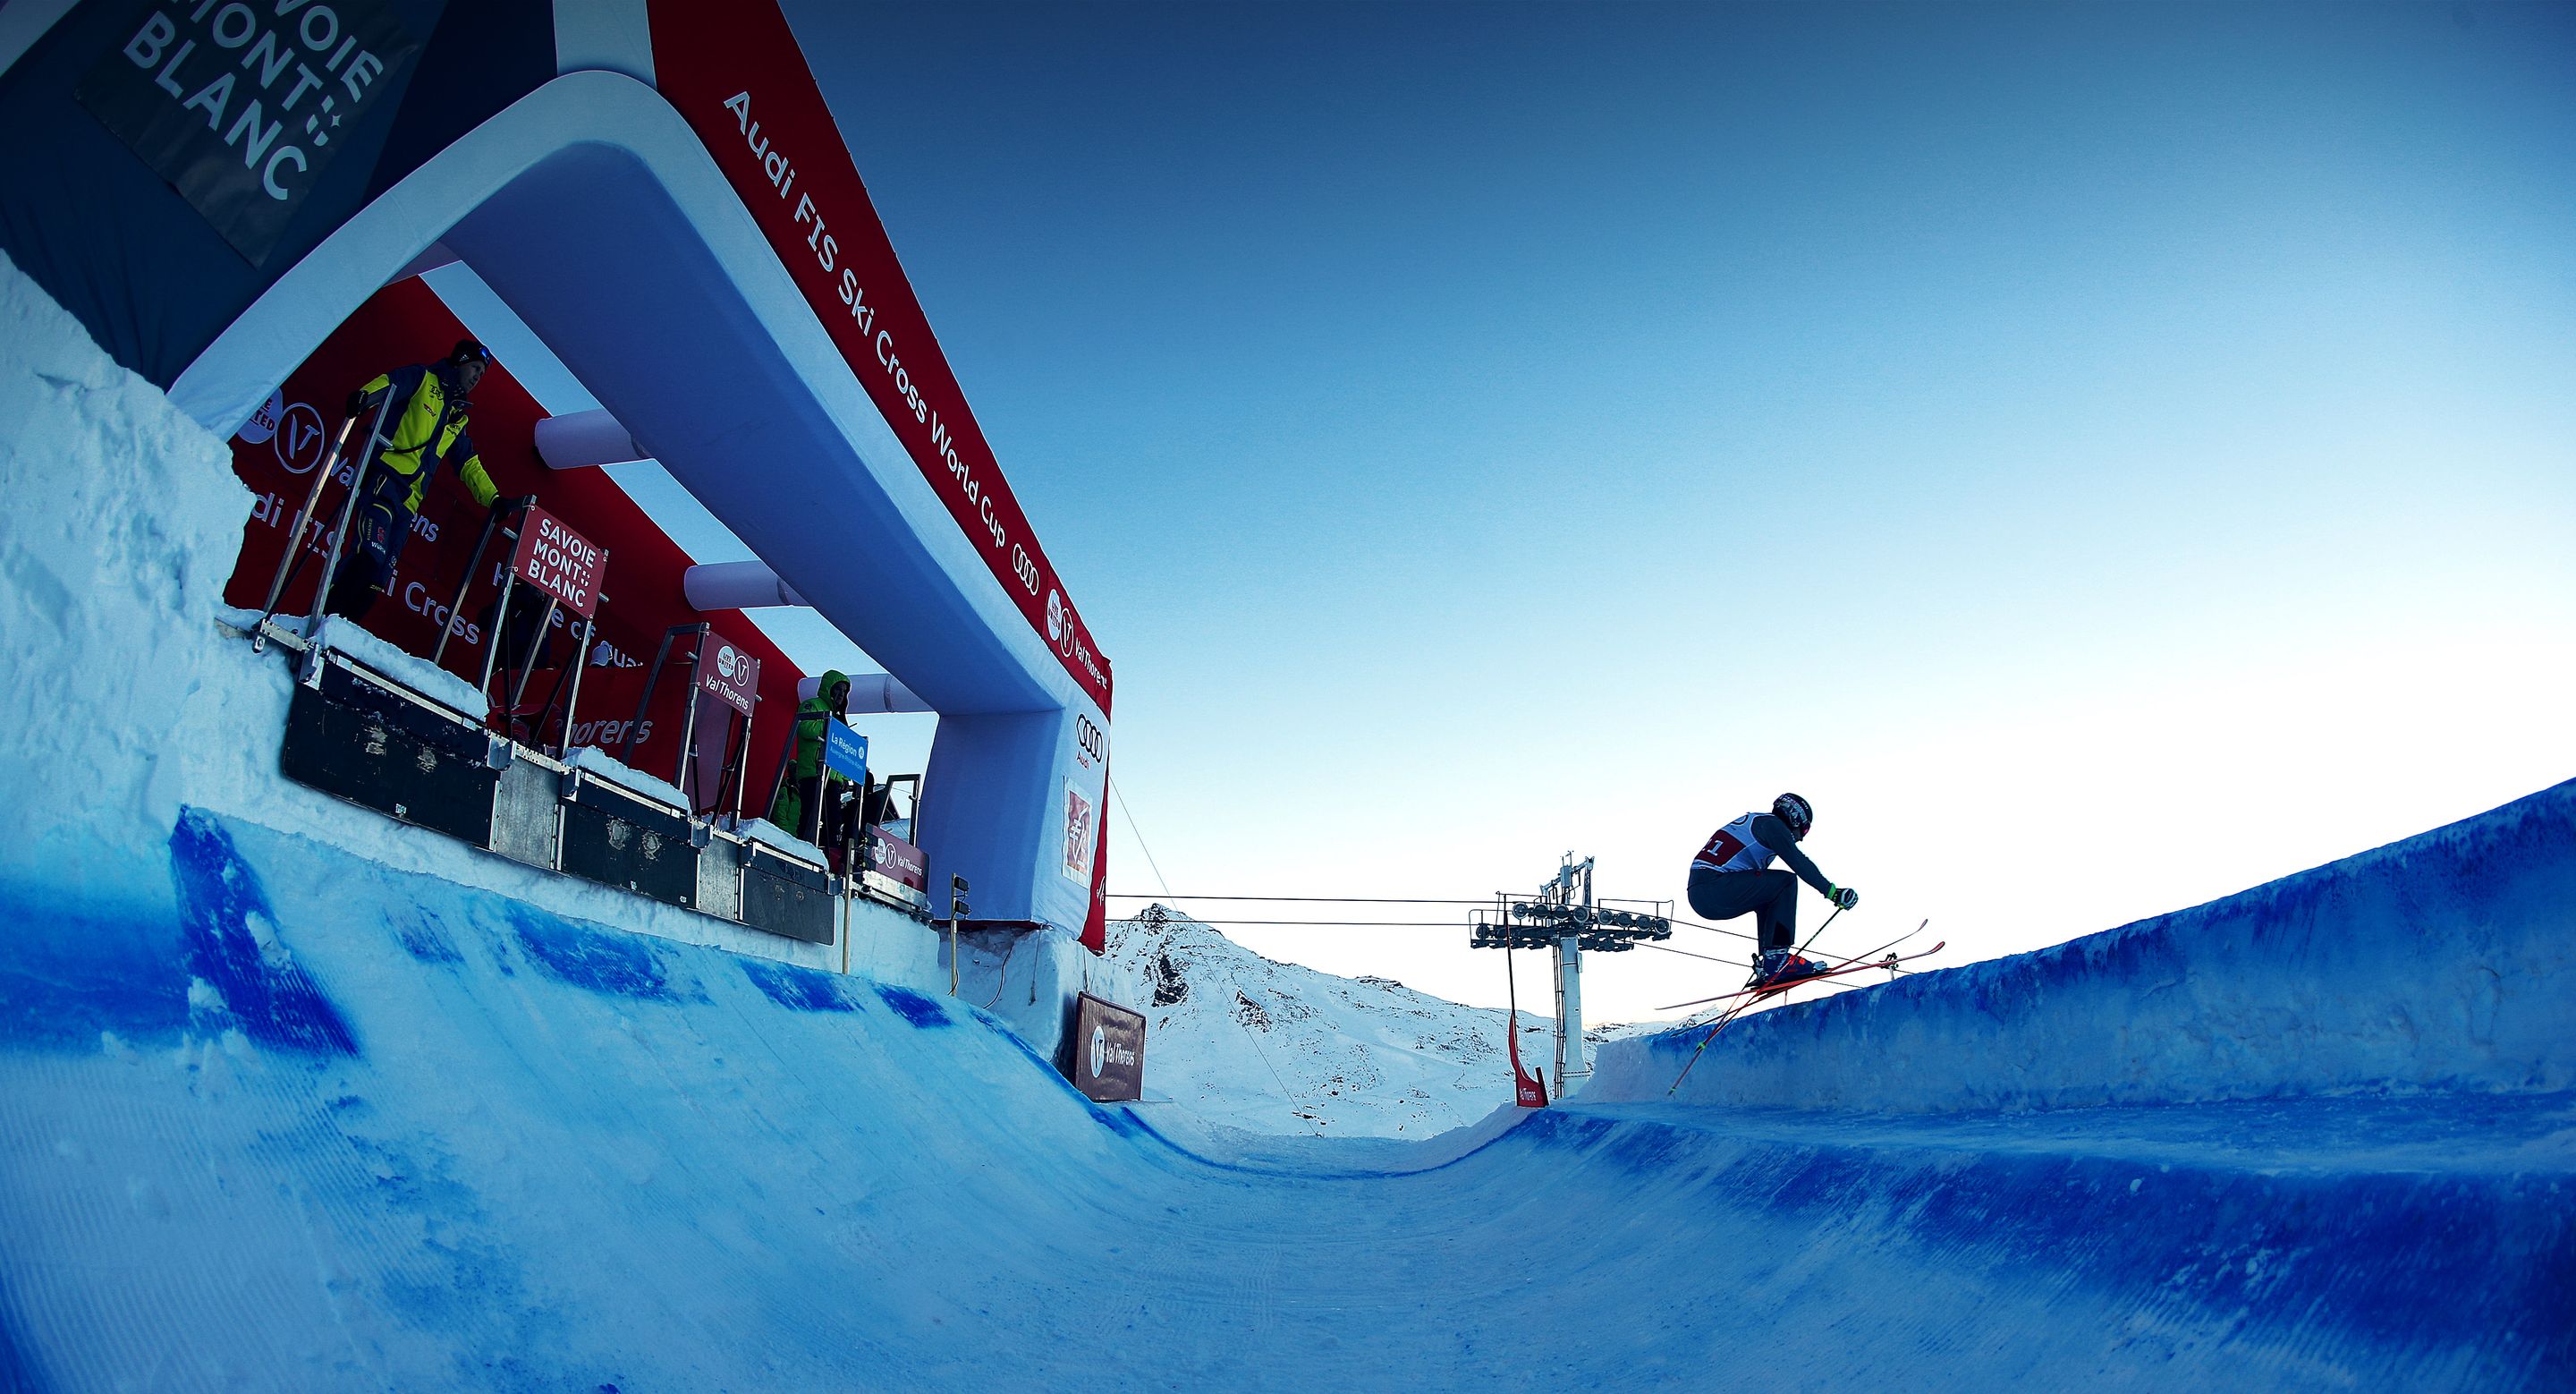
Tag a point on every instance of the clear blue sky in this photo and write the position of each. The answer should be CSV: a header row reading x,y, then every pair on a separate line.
x,y
2106,456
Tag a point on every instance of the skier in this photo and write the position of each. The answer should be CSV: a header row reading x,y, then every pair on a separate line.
x,y
424,427
1732,875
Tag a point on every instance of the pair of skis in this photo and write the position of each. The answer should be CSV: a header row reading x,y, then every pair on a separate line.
x,y
1752,993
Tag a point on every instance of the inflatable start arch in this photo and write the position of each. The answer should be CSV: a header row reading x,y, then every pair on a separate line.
x,y
659,191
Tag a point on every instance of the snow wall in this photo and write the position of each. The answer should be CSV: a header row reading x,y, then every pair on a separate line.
x,y
2445,961
294,1098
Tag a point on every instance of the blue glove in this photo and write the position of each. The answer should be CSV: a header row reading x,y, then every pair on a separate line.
x,y
1843,897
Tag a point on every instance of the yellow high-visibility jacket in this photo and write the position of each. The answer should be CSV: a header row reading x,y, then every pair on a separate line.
x,y
424,428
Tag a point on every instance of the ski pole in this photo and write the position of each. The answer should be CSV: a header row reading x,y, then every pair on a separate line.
x,y
1865,960
1750,996
1820,929
1738,1009
1729,1015
1892,943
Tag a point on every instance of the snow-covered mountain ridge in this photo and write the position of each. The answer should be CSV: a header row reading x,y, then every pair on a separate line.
x,y
1248,1042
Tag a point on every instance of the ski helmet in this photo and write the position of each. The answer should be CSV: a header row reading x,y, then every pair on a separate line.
x,y
1792,810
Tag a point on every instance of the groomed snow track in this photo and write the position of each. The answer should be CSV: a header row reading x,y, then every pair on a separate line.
x,y
299,1121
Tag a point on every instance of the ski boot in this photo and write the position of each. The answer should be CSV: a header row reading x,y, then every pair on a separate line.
x,y
1777,967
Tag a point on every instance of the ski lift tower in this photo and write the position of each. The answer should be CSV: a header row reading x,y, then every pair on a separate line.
x,y
1571,1068
1562,916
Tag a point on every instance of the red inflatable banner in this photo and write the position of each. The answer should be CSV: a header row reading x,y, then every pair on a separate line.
x,y
736,76
636,590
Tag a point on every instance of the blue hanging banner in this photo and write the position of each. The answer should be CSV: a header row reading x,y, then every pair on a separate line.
x,y
845,752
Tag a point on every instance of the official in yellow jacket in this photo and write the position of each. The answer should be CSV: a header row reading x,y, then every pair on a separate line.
x,y
424,427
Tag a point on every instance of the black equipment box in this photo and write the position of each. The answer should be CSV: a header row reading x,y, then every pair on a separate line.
x,y
786,897
380,748
617,839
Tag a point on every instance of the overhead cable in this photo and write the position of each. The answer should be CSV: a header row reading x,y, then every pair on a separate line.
x,y
1139,834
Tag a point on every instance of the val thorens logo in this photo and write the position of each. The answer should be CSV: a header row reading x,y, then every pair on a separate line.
x,y
1099,1050
299,438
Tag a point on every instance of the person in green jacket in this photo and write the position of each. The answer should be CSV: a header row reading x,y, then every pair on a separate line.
x,y
800,804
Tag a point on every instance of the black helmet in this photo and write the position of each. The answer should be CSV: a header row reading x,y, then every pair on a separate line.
x,y
469,351
1792,810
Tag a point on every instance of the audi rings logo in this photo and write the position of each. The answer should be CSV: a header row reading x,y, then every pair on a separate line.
x,y
729,664
1099,1050
1055,617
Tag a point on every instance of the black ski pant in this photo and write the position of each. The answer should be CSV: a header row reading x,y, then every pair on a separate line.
x,y
825,811
353,594
378,531
1772,897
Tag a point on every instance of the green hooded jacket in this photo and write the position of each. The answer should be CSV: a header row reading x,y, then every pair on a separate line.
x,y
805,758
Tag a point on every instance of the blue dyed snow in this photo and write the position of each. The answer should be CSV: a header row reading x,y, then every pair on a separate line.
x,y
424,936
16,1371
600,960
269,997
798,989
74,971
2394,1239
922,1012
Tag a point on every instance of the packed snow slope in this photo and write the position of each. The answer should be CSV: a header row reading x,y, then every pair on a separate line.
x,y
1244,1041
295,1098
301,1121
